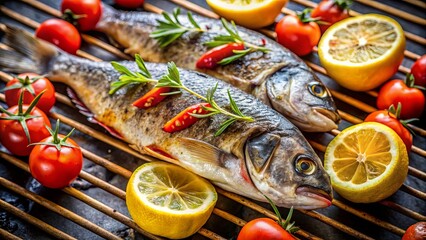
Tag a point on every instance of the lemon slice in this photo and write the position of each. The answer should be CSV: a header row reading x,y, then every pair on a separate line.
x,y
169,201
248,13
367,162
362,52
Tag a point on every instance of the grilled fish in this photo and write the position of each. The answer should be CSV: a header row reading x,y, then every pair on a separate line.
x,y
267,157
279,78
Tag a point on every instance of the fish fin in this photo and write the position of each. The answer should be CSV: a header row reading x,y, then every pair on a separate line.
x,y
159,153
205,152
114,42
26,53
83,109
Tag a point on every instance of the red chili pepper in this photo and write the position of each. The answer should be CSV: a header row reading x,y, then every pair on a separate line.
x,y
215,55
151,98
184,119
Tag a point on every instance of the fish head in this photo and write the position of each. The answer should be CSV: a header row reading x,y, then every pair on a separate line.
x,y
299,94
287,171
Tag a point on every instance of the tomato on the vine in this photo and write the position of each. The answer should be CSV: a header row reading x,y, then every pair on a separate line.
x,y
331,11
56,161
390,119
21,125
397,91
264,228
416,231
419,71
129,3
61,33
32,84
85,14
298,33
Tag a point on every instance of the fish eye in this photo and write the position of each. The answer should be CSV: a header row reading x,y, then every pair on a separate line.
x,y
317,89
305,166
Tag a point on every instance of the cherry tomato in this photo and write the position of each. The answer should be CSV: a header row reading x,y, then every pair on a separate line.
x,y
184,119
330,11
90,11
411,99
415,232
297,36
263,228
129,3
211,58
419,71
390,120
12,134
61,33
56,168
31,82
151,98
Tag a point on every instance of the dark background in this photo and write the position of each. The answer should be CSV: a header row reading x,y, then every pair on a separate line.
x,y
216,224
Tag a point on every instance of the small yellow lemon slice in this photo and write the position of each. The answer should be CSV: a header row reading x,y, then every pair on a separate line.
x,y
169,201
367,162
362,52
248,13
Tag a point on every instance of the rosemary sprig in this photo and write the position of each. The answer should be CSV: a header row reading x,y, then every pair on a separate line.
x,y
128,77
172,79
171,29
233,36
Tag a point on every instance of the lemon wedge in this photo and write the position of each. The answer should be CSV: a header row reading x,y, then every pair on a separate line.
x,y
367,162
362,52
248,13
169,201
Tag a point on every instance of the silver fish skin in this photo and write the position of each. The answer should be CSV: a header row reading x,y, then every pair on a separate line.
x,y
267,157
279,78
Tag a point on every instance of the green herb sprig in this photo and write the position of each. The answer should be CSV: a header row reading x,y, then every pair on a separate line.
x,y
128,77
235,37
171,29
172,80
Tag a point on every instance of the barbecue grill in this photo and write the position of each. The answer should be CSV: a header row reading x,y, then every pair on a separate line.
x,y
93,207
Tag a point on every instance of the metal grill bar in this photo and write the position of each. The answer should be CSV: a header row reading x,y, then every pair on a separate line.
x,y
7,235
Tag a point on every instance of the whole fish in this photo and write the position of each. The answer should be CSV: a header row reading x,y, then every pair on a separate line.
x,y
267,157
279,78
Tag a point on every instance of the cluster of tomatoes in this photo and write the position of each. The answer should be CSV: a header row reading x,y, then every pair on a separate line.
x,y
25,130
78,16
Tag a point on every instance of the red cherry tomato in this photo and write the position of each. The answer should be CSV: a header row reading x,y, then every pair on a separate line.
x,y
61,33
263,228
13,137
152,98
330,11
411,99
297,36
37,85
129,3
211,58
388,119
55,168
184,119
91,9
419,71
416,231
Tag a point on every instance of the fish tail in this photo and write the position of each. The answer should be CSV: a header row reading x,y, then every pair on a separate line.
x,y
25,53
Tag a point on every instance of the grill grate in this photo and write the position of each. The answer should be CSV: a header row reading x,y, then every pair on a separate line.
x,y
320,215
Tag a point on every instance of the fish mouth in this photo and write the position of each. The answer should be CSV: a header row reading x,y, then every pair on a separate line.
x,y
331,118
320,198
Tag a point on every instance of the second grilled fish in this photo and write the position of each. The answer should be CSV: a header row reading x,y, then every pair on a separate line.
x,y
279,78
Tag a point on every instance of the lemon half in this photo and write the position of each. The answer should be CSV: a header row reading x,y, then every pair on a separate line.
x,y
362,52
248,13
367,162
169,201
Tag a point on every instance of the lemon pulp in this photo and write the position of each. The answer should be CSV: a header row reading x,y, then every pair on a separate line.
x,y
367,162
159,193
